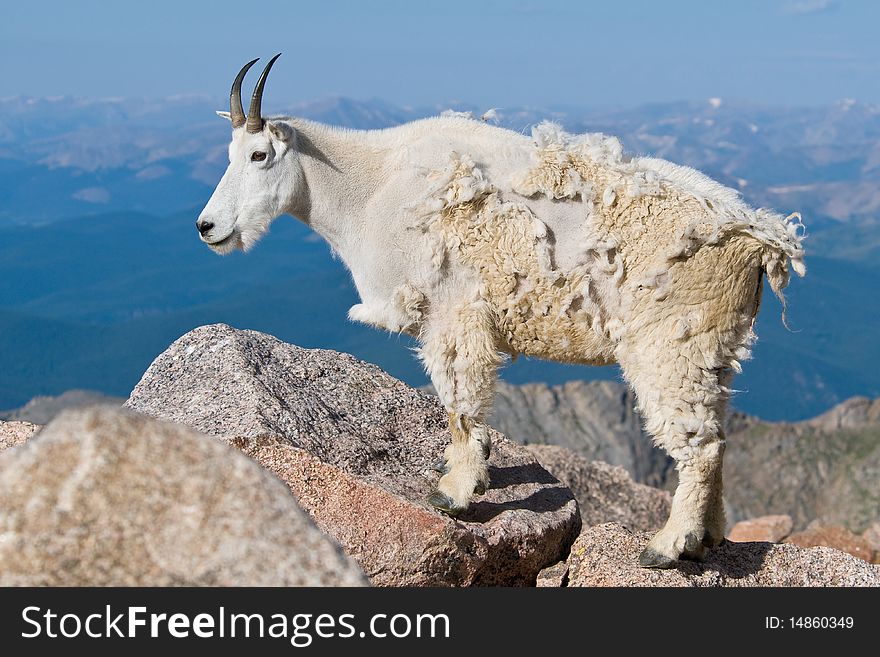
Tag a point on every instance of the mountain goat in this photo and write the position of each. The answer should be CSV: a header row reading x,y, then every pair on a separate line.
x,y
483,243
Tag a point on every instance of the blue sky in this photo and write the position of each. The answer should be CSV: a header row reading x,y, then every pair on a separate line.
x,y
493,53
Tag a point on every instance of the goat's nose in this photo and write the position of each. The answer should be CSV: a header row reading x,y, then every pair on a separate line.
x,y
204,225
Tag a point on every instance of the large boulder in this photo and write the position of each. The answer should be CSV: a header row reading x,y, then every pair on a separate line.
x,y
607,555
356,447
107,497
605,493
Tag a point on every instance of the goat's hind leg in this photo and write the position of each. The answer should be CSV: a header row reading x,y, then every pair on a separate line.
x,y
458,350
697,517
683,405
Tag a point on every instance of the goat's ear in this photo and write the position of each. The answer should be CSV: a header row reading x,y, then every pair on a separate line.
x,y
224,115
280,131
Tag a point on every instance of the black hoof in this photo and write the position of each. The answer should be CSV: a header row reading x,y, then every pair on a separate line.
x,y
652,559
694,549
487,450
441,466
442,502
480,488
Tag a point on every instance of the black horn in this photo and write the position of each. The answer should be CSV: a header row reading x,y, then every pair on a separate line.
x,y
255,116
236,112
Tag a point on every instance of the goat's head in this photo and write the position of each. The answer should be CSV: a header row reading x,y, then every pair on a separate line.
x,y
262,178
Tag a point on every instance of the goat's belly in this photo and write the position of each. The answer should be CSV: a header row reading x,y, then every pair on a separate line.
x,y
558,338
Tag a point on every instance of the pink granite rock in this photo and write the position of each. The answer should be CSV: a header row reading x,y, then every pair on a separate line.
x,y
103,497
771,529
835,537
607,555
357,447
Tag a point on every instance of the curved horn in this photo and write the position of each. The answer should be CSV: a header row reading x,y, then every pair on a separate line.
x,y
236,113
255,116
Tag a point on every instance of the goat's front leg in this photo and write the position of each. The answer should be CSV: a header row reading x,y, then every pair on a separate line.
x,y
464,464
461,358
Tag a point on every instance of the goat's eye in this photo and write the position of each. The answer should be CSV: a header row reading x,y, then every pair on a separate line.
x,y
258,156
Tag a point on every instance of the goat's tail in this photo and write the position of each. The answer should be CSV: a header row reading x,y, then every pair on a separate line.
x,y
783,251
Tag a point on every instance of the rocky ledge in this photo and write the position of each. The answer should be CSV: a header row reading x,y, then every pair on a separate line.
x,y
105,496
356,447
607,555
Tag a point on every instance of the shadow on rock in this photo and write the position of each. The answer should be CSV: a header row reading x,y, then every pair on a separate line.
x,y
514,475
731,560
546,500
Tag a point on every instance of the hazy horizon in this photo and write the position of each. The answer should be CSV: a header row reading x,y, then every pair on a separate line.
x,y
492,53
222,101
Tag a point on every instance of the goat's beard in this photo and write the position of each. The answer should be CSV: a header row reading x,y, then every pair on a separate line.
x,y
251,233
248,238
228,245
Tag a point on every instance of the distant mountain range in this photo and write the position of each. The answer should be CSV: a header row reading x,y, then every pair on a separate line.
x,y
158,156
84,156
100,267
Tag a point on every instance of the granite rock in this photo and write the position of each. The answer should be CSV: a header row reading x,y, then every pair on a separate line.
x,y
771,529
103,497
607,555
833,536
605,493
356,447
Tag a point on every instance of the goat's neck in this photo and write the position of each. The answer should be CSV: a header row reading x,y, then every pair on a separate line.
x,y
341,170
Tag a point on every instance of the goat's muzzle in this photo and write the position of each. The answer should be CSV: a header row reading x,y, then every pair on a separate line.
x,y
203,226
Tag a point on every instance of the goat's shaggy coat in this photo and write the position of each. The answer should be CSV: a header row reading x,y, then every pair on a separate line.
x,y
484,243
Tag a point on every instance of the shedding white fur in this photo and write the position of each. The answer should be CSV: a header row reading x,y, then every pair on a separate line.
x,y
486,244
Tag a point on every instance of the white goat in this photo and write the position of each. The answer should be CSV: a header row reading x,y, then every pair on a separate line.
x,y
481,242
